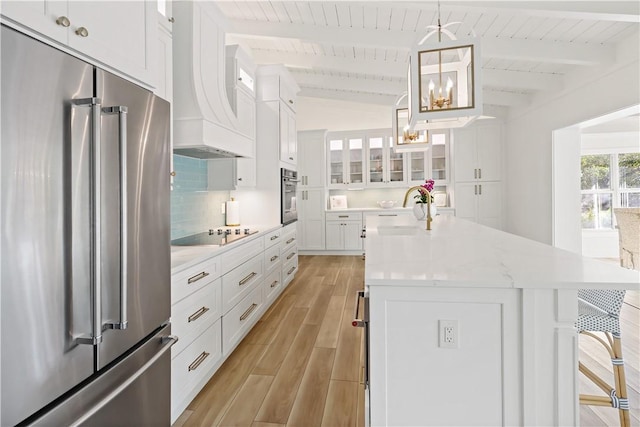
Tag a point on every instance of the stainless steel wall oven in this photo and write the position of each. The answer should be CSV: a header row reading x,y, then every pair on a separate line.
x,y
289,183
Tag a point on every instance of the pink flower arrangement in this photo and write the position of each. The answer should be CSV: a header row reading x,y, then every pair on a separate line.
x,y
428,188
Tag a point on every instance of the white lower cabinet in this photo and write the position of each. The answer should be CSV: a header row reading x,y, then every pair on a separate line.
x,y
194,366
239,320
289,254
216,302
343,231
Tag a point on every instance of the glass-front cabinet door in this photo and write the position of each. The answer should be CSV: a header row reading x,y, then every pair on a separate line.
x,y
386,167
433,163
356,162
346,162
336,162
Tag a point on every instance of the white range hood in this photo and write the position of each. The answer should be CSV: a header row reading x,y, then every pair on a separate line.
x,y
205,126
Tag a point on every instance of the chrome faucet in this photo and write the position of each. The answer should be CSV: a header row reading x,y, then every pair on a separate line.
x,y
422,190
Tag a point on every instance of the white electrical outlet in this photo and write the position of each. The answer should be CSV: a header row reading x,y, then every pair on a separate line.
x,y
448,334
223,208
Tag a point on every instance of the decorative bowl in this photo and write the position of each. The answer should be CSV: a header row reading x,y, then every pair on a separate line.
x,y
386,204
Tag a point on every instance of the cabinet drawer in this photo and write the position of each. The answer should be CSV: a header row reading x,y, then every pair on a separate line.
x,y
272,238
272,258
193,315
343,216
236,256
196,361
290,253
190,280
272,286
240,281
239,320
289,271
288,241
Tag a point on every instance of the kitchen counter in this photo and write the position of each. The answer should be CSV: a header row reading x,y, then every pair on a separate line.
x,y
465,316
457,252
183,257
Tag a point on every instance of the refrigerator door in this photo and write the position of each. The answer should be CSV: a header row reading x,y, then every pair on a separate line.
x,y
45,224
136,391
135,229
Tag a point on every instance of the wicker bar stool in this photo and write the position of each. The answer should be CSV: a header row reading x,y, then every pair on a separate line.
x,y
598,314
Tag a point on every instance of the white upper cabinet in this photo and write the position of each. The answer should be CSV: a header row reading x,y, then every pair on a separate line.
x,y
346,159
241,90
385,168
478,153
311,154
432,163
119,35
275,83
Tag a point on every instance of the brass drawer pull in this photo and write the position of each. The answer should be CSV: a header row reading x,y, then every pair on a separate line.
x,y
246,279
63,21
197,277
290,240
197,314
274,284
291,255
343,216
248,312
82,32
274,237
194,365
273,258
291,270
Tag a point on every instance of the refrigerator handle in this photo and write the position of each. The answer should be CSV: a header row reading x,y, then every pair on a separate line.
x,y
96,285
121,111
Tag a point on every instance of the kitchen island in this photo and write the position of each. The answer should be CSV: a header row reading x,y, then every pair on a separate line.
x,y
469,325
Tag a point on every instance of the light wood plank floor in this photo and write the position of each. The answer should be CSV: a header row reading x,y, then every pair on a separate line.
x,y
301,365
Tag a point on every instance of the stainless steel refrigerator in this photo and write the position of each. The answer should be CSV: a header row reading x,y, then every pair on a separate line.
x,y
85,233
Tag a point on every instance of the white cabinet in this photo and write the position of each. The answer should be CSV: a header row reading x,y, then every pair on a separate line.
x,y
311,158
478,159
311,206
311,198
231,174
196,310
480,202
164,79
275,83
288,146
120,36
289,254
478,153
385,168
343,231
346,161
434,163
240,85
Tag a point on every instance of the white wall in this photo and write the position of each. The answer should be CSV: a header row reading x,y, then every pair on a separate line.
x,y
588,94
336,115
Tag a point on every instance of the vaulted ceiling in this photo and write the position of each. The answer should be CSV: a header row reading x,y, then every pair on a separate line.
x,y
358,50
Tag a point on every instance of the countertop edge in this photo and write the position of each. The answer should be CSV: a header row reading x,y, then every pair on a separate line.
x,y
196,254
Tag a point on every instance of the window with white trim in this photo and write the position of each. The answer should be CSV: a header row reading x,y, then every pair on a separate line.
x,y
607,181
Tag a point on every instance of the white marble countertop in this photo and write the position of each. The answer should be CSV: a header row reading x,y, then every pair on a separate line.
x,y
183,257
374,209
460,253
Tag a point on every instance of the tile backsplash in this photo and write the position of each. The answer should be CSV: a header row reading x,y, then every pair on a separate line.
x,y
194,209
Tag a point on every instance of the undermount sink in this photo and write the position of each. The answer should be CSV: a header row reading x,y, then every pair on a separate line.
x,y
399,230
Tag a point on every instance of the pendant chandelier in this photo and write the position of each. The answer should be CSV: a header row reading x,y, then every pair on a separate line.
x,y
444,81
406,139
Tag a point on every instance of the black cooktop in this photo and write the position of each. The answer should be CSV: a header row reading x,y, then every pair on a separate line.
x,y
217,237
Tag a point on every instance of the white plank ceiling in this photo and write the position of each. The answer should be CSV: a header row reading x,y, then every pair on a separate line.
x,y
358,50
